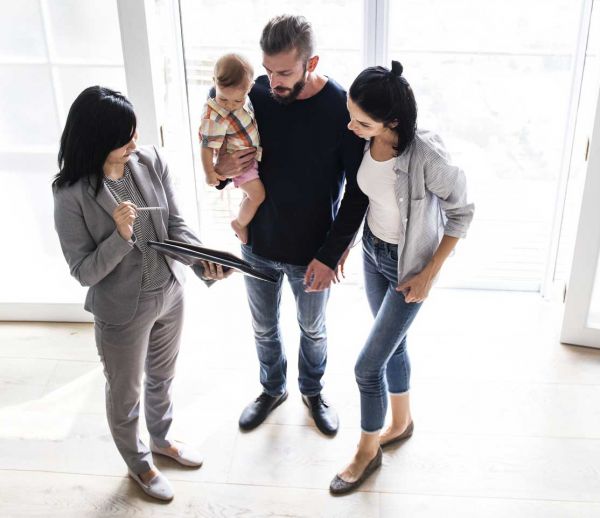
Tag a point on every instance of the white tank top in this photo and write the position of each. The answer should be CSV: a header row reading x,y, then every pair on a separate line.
x,y
377,180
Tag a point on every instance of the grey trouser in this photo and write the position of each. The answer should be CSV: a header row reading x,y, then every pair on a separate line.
x,y
148,344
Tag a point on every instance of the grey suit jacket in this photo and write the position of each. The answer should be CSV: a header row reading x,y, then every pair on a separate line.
x,y
97,255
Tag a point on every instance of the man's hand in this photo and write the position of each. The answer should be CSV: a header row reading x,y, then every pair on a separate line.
x,y
214,271
230,165
416,289
339,271
318,276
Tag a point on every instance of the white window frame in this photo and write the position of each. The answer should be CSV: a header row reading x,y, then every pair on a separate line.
x,y
550,289
576,329
376,25
139,71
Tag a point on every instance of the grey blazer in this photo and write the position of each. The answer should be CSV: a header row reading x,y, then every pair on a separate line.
x,y
97,255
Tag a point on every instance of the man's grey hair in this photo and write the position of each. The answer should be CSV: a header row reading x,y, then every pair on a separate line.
x,y
286,32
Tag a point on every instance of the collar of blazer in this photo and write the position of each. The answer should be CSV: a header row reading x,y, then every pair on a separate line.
x,y
144,182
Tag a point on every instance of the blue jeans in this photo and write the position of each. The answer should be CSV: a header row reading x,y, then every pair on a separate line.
x,y
384,357
264,299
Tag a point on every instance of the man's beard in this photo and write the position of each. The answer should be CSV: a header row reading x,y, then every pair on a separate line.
x,y
293,94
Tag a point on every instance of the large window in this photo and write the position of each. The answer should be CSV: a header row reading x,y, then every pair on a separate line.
x,y
49,52
494,79
511,87
211,29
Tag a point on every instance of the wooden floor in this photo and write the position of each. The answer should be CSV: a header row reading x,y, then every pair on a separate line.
x,y
507,420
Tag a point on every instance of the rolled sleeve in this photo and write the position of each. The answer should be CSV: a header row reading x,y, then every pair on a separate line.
x,y
449,184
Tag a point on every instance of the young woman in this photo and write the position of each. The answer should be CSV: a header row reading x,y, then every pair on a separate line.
x,y
417,212
110,198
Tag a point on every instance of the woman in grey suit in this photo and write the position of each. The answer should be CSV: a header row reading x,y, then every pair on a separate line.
x,y
110,198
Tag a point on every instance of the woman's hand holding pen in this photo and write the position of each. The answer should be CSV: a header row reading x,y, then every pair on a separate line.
x,y
124,216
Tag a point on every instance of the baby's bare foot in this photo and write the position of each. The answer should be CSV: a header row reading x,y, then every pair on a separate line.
x,y
240,231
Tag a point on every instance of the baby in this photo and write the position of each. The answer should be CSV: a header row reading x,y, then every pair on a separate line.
x,y
228,119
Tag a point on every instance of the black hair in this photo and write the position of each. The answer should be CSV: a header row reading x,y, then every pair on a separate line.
x,y
99,121
386,97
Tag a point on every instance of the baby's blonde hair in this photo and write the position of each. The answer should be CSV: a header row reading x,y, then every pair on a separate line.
x,y
233,70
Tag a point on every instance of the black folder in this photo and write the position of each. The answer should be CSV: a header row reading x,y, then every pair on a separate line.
x,y
186,253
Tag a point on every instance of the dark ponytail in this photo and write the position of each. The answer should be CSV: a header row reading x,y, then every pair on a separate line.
x,y
397,68
385,96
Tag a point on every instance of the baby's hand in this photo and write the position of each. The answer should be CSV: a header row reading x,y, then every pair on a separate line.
x,y
212,179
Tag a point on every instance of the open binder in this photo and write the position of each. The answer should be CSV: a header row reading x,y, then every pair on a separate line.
x,y
186,253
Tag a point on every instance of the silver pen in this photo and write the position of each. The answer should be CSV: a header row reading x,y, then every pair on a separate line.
x,y
141,209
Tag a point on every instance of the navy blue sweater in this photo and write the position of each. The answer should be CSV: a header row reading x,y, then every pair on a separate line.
x,y
308,152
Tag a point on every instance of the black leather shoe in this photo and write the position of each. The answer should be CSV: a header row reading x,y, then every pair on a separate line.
x,y
325,417
257,411
339,486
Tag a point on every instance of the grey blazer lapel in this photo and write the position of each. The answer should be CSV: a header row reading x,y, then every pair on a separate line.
x,y
105,199
144,183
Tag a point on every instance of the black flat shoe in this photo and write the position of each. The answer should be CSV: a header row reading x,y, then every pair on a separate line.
x,y
223,184
399,438
325,416
257,411
339,486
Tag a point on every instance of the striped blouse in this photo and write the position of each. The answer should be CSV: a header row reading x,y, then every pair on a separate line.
x,y
155,270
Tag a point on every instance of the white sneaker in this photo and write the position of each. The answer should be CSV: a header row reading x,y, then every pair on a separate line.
x,y
158,487
187,456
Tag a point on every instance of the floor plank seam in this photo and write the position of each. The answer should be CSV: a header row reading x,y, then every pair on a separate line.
x,y
384,492
70,360
381,493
